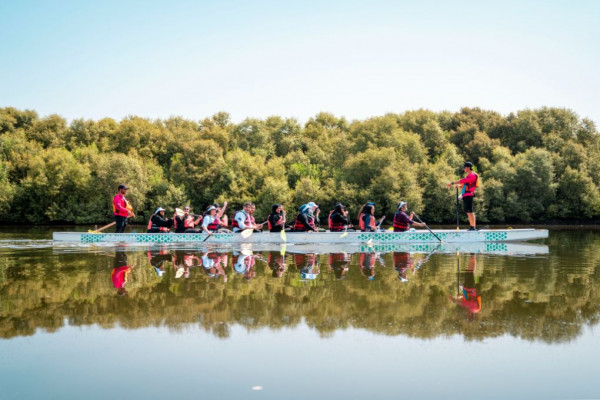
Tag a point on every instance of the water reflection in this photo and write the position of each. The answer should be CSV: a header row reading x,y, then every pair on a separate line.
x,y
468,288
121,271
547,294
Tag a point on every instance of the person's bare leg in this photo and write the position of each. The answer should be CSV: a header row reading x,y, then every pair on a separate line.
x,y
471,217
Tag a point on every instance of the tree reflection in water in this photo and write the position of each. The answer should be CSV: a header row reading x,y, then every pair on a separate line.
x,y
547,297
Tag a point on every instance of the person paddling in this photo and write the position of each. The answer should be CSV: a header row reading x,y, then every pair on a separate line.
x,y
470,182
402,221
276,220
222,217
158,223
210,221
122,209
366,218
338,218
187,222
306,219
243,219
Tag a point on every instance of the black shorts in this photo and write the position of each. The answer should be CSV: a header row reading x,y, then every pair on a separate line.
x,y
468,204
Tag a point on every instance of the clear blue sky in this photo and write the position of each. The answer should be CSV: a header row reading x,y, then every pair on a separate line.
x,y
95,59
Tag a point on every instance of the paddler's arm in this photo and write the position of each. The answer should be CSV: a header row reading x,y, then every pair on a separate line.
x,y
222,211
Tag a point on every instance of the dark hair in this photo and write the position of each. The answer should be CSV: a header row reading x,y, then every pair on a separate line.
x,y
275,207
468,164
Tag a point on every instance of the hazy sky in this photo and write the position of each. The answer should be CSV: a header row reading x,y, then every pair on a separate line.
x,y
95,59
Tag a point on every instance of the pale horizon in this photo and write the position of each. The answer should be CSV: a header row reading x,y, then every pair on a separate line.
x,y
194,59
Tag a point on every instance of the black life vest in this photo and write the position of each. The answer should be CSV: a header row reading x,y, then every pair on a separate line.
x,y
299,226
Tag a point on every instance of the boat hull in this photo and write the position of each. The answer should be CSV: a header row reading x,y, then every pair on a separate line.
x,y
385,237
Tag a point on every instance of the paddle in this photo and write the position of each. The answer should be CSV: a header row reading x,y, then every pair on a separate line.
x,y
429,229
422,262
282,234
457,212
246,233
103,228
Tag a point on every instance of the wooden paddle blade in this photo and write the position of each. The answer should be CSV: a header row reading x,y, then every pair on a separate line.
x,y
103,228
283,236
343,235
247,233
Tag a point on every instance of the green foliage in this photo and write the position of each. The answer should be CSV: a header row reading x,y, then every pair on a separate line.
x,y
52,171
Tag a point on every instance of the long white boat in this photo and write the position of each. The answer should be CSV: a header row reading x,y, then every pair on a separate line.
x,y
383,237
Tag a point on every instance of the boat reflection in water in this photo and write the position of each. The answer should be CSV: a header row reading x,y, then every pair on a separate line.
x,y
424,290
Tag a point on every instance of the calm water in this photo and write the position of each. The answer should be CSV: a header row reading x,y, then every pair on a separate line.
x,y
299,321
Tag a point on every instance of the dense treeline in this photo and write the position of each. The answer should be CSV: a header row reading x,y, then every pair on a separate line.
x,y
534,164
551,298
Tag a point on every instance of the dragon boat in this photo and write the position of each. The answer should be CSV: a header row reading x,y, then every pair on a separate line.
x,y
383,237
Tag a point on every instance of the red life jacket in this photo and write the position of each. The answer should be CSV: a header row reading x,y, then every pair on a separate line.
x,y
335,226
215,225
400,225
162,228
248,221
121,206
361,222
469,189
299,226
367,260
279,219
188,223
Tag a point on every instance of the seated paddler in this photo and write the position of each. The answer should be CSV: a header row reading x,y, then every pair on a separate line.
x,y
276,220
306,220
402,221
338,219
366,218
158,223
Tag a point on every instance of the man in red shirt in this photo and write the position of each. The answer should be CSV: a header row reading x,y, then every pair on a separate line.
x,y
122,209
470,183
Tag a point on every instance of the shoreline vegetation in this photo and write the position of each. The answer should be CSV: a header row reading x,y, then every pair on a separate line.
x,y
535,165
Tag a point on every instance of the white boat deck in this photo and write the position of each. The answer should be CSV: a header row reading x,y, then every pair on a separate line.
x,y
383,237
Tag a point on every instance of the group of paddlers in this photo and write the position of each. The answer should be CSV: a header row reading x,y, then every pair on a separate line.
x,y
214,219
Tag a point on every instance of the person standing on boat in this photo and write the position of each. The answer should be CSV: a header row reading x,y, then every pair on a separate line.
x,y
402,221
122,209
276,220
243,219
470,182
338,219
158,223
306,219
